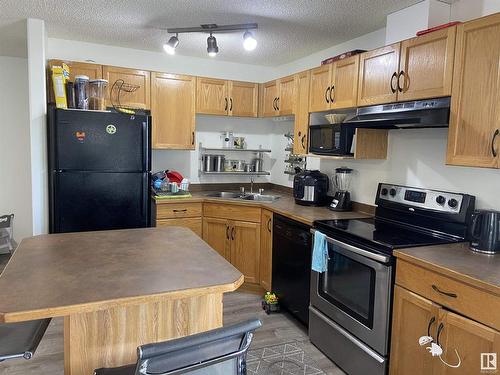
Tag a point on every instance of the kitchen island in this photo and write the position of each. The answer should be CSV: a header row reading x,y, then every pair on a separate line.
x,y
117,290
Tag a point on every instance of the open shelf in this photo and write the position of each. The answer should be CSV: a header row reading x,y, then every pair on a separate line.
x,y
202,149
263,173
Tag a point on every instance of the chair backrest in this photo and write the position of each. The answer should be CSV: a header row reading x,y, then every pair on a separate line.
x,y
220,351
7,232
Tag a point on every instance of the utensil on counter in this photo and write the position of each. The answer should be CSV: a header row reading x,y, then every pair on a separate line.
x,y
239,142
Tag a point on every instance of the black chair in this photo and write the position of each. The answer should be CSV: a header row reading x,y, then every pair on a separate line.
x,y
220,351
20,340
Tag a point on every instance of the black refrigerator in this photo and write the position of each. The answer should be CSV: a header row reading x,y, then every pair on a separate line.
x,y
99,170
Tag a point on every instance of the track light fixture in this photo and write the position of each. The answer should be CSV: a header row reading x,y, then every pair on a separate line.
x,y
249,41
171,45
212,47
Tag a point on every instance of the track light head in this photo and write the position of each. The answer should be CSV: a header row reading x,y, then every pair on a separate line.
x,y
212,47
249,41
171,45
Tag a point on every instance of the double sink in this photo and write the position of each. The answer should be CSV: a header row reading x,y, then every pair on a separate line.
x,y
243,196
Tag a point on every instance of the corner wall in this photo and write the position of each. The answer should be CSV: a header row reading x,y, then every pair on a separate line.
x,y
15,159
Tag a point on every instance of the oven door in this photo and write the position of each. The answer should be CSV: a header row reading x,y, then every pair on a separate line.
x,y
355,292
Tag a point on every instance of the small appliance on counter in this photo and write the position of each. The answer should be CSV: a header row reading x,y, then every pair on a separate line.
x,y
485,232
342,198
310,188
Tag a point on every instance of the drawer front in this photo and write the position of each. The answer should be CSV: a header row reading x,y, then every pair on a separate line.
x,y
232,212
193,223
463,298
175,210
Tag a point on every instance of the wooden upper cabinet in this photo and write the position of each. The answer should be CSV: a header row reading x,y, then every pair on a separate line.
x,y
269,96
426,65
93,71
266,249
475,104
243,99
469,338
320,86
378,70
212,96
173,111
139,98
245,249
286,95
344,89
412,315
301,128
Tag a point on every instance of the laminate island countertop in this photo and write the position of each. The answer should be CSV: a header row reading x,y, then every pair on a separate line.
x,y
285,206
457,261
117,290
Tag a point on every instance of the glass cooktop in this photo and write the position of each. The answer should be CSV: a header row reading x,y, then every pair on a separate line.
x,y
382,233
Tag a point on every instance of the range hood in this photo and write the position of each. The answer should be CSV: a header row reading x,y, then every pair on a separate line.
x,y
430,113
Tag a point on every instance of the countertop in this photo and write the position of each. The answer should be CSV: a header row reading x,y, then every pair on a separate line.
x,y
285,206
457,261
61,274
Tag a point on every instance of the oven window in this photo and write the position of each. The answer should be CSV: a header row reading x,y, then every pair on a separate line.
x,y
349,285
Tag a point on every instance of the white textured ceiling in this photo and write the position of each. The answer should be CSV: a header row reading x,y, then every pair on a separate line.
x,y
288,29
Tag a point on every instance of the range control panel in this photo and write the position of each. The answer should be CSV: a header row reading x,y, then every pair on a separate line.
x,y
428,199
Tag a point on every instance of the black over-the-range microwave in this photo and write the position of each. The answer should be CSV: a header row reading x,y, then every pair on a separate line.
x,y
331,139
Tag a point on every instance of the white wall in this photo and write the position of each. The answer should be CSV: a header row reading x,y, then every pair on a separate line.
x,y
38,129
257,132
15,163
156,61
465,10
416,157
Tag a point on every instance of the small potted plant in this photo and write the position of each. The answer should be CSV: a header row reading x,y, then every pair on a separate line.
x,y
270,303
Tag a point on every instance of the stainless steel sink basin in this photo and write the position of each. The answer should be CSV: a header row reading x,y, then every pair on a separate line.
x,y
246,197
260,197
224,194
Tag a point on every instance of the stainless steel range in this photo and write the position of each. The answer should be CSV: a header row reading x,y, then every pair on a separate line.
x,y
350,311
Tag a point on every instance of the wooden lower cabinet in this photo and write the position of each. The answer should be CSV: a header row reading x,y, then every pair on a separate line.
x,y
414,316
238,242
193,223
216,234
266,249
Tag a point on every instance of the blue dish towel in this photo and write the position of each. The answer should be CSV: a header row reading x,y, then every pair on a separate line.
x,y
320,253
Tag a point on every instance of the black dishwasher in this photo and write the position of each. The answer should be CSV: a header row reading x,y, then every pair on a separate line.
x,y
292,266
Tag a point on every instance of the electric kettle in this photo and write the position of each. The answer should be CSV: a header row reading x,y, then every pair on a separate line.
x,y
485,232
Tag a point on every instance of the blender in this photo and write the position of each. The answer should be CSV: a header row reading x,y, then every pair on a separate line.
x,y
342,198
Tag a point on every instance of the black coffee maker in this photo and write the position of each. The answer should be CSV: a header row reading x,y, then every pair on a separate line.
x,y
485,232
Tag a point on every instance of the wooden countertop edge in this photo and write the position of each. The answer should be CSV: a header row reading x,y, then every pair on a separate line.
x,y
54,312
264,205
472,281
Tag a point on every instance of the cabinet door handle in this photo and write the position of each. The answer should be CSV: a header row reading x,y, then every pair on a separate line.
x,y
227,232
448,294
231,104
493,151
278,103
431,322
192,139
401,73
331,93
269,225
232,233
394,75
225,105
327,94
184,210
440,328
303,141
274,103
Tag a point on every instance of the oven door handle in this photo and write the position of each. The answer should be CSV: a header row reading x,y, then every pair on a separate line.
x,y
357,250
